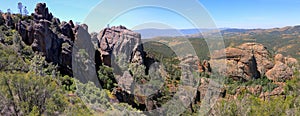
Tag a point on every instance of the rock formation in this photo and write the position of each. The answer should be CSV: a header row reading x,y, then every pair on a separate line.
x,y
83,54
241,64
281,71
42,12
251,60
119,43
120,48
65,44
48,37
261,54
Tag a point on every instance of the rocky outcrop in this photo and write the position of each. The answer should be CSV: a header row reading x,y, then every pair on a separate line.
x,y
290,62
261,54
251,60
42,12
71,47
191,60
281,71
67,29
119,43
83,54
241,64
48,37
121,48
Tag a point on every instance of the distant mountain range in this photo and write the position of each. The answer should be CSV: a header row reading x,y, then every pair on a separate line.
x,y
152,32
284,40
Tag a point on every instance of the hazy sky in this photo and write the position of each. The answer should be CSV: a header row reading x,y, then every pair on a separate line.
x,y
226,13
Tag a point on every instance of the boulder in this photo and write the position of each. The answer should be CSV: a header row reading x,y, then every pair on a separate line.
x,y
279,58
126,82
280,72
291,62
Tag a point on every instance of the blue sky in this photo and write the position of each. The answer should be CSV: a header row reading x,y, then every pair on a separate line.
x,y
225,13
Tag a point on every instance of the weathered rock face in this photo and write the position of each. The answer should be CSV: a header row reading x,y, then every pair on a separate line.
x,y
120,48
240,63
261,54
121,44
83,57
42,12
250,60
280,72
67,29
47,36
290,62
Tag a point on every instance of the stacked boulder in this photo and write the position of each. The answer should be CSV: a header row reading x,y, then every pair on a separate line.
x,y
283,68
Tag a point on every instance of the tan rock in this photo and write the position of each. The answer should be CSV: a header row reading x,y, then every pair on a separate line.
x,y
280,72
261,54
279,58
240,64
291,62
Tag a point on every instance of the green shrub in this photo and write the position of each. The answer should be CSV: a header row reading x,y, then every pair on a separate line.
x,y
254,106
29,93
106,77
41,67
94,97
10,60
